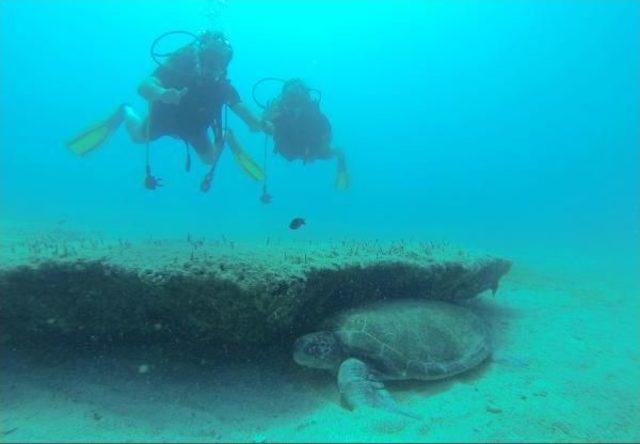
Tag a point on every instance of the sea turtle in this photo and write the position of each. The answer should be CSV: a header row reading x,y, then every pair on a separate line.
x,y
394,340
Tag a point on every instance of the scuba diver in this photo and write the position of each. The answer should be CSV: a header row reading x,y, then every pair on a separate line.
x,y
186,95
300,130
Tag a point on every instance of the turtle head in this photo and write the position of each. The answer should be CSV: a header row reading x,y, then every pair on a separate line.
x,y
318,350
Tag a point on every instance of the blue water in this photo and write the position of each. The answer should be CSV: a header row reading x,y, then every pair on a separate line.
x,y
510,127
506,125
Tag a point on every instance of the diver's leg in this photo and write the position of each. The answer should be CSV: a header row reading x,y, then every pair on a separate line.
x,y
325,153
339,155
208,151
136,126
342,177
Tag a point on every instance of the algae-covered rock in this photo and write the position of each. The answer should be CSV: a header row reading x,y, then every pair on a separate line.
x,y
216,292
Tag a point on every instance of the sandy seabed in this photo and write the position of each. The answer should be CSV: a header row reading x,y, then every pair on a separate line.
x,y
566,367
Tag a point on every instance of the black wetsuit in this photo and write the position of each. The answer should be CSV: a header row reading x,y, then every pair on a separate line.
x,y
198,109
301,129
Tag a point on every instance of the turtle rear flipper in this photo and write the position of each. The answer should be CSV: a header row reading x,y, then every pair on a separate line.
x,y
359,387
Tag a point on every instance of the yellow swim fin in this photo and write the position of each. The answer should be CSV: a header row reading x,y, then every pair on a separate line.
x,y
96,135
245,161
342,180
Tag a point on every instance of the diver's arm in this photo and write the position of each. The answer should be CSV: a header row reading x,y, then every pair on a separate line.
x,y
254,123
152,90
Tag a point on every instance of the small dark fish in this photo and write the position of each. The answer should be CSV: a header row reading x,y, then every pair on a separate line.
x,y
297,223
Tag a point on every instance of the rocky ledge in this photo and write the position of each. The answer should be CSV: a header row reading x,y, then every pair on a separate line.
x,y
83,290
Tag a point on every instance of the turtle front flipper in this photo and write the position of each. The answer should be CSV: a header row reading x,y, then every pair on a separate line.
x,y
359,387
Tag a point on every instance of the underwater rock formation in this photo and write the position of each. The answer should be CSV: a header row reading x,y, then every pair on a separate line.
x,y
217,292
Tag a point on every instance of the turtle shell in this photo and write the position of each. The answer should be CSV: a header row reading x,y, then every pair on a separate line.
x,y
413,339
